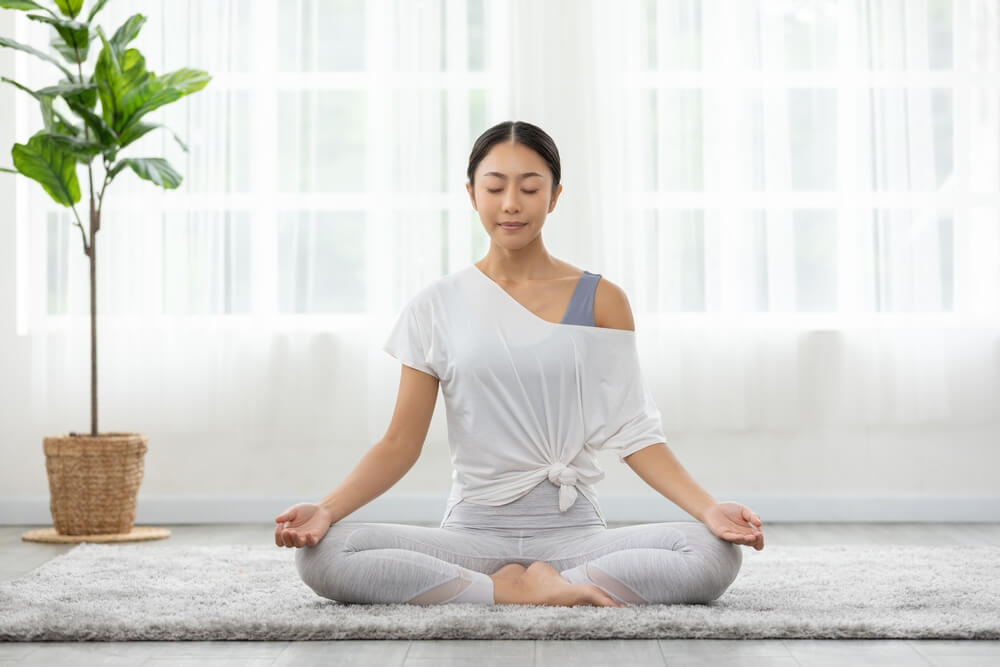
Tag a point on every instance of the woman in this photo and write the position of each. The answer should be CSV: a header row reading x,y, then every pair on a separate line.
x,y
538,365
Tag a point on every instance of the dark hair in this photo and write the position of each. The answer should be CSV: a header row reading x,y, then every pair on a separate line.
x,y
519,132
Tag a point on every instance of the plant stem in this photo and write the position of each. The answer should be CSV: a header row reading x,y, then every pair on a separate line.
x,y
95,218
93,327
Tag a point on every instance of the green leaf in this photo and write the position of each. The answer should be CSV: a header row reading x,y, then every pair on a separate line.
x,y
186,80
69,8
25,5
71,92
127,32
66,89
11,44
107,74
18,85
79,148
149,96
132,88
154,169
137,130
96,8
76,35
156,92
44,161
104,134
53,120
13,171
69,53
89,96
84,93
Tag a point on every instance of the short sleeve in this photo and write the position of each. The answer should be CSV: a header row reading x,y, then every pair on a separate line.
x,y
410,339
623,416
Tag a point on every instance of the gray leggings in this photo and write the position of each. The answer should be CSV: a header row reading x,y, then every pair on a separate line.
x,y
657,563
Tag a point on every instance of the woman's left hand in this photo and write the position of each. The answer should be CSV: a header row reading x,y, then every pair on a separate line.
x,y
735,523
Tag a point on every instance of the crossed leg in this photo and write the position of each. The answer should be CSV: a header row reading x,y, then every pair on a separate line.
x,y
392,563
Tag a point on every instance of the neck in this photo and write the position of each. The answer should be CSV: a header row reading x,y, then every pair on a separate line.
x,y
522,265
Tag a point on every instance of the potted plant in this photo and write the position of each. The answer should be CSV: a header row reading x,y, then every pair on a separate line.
x,y
93,478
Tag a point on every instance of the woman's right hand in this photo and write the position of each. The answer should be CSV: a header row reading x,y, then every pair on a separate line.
x,y
301,525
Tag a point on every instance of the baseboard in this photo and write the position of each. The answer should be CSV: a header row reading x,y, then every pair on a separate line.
x,y
429,508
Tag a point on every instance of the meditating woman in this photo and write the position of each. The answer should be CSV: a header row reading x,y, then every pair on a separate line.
x,y
538,364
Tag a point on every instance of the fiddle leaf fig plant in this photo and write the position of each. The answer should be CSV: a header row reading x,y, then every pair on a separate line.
x,y
88,119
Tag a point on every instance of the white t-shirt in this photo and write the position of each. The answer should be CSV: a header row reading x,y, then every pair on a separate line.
x,y
525,398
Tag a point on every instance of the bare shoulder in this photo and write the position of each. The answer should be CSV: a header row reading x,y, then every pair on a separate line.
x,y
611,306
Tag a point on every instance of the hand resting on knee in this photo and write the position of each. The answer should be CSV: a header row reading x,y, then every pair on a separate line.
x,y
301,525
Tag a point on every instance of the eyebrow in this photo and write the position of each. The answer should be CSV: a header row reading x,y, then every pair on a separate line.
x,y
504,176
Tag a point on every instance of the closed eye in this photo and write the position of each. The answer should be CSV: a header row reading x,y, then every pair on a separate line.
x,y
530,192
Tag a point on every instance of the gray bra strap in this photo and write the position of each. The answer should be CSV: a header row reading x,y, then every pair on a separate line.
x,y
581,305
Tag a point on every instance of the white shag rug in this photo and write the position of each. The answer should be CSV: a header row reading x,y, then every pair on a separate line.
x,y
102,592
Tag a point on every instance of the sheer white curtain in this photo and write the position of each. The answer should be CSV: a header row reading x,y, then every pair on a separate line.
x,y
800,198
803,208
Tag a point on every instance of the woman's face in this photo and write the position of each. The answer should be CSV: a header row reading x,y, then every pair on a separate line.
x,y
513,184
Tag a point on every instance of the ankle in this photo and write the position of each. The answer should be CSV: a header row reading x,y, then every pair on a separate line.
x,y
507,589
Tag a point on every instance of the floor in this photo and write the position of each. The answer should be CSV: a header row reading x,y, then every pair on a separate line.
x,y
18,557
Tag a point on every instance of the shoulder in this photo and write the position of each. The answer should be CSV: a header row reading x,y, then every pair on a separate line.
x,y
611,306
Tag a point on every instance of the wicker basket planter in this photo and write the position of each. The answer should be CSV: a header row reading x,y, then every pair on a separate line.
x,y
94,481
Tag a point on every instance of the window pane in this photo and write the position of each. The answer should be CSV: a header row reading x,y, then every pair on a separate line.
x,y
671,35
321,262
815,260
809,28
913,258
906,35
985,38
58,227
218,157
906,138
666,259
812,128
984,139
420,119
478,42
419,250
478,106
419,35
206,262
321,35
321,141
672,121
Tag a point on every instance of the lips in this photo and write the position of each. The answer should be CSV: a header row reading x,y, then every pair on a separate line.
x,y
513,225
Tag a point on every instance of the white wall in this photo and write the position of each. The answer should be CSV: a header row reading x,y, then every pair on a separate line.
x,y
819,474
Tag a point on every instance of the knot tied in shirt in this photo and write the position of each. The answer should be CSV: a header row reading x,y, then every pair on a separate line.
x,y
565,478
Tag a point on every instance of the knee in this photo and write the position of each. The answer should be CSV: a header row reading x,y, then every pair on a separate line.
x,y
318,565
723,560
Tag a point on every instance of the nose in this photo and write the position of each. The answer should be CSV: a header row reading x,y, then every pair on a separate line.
x,y
510,201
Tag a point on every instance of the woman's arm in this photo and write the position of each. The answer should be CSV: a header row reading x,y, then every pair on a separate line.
x,y
659,468
734,522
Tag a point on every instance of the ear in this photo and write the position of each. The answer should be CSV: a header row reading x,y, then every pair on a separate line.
x,y
555,196
472,195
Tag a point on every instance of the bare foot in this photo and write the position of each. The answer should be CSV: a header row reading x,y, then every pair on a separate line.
x,y
506,583
540,583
